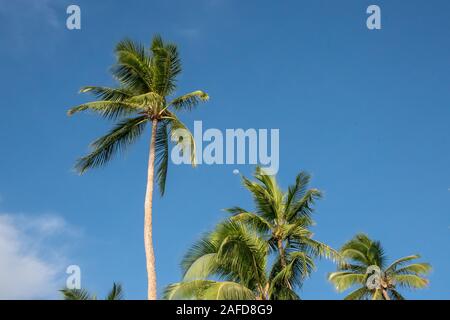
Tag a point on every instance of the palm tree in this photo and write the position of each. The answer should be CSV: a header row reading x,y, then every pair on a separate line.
x,y
147,81
366,266
116,293
239,250
235,254
284,219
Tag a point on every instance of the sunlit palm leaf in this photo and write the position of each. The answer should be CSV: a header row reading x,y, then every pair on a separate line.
x,y
189,101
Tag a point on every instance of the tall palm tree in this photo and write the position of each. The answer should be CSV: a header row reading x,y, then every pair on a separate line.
x,y
239,250
366,267
116,293
147,81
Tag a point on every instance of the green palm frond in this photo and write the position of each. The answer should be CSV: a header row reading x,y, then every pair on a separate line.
x,y
399,262
299,267
265,203
205,246
108,94
242,252
415,268
208,290
410,281
359,294
203,267
133,67
227,290
343,280
107,109
254,220
116,292
124,134
186,290
304,206
161,155
377,295
319,249
297,191
395,295
167,66
175,126
76,294
189,101
153,102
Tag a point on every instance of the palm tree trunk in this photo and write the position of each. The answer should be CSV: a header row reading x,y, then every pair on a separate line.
x,y
282,258
148,232
281,253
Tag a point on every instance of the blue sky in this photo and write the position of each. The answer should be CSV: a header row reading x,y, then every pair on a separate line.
x,y
365,112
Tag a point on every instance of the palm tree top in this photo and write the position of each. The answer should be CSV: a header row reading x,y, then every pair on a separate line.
x,y
366,267
266,253
147,80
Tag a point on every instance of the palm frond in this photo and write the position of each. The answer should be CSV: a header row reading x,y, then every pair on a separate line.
x,y
299,267
377,294
108,94
343,280
319,249
265,203
161,155
166,67
116,293
124,134
395,295
227,290
179,132
359,294
254,220
189,101
76,294
410,281
204,267
304,206
415,268
186,290
107,109
242,252
133,68
399,262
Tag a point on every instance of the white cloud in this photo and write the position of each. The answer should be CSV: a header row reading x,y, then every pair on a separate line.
x,y
32,255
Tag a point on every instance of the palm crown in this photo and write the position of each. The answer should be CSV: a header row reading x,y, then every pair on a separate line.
x,y
366,266
147,78
239,250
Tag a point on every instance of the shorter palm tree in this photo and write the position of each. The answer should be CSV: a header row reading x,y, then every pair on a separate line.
x,y
228,263
116,293
263,254
365,266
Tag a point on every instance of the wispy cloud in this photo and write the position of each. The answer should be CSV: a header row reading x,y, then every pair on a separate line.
x,y
33,255
44,10
23,20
